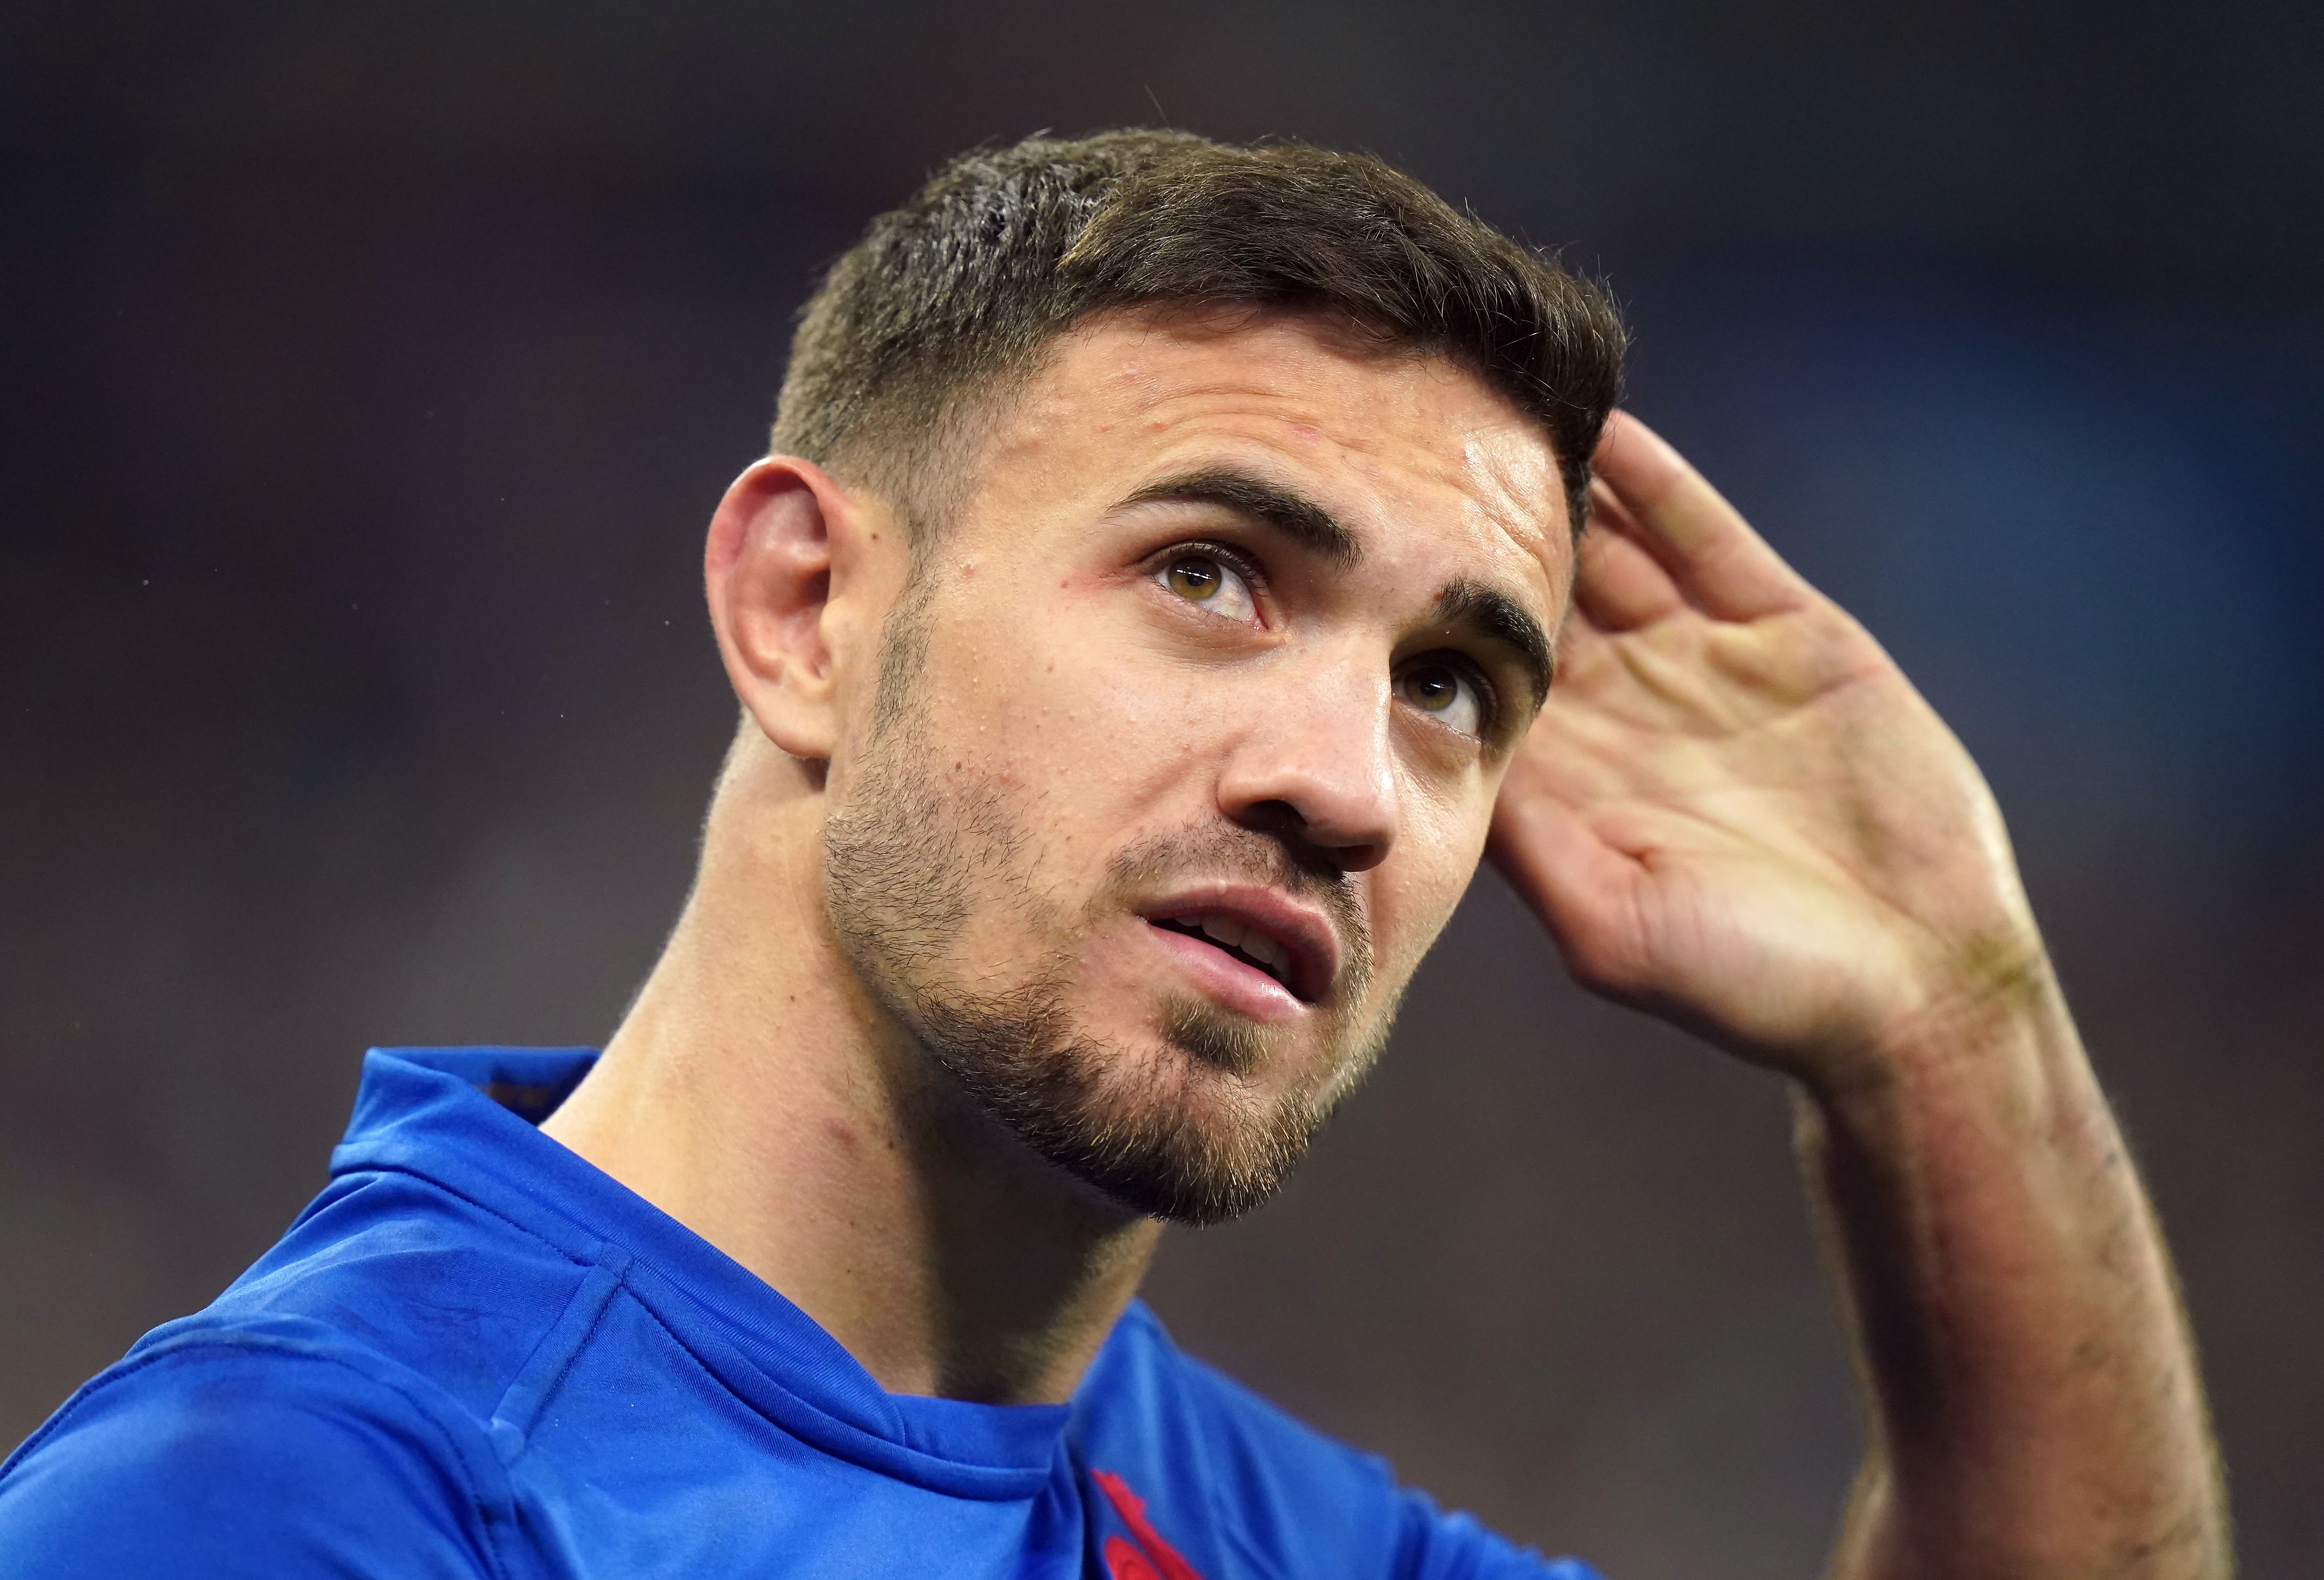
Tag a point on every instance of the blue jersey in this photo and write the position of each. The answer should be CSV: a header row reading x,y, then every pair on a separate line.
x,y
475,1354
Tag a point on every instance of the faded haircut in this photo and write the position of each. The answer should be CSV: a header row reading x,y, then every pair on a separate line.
x,y
953,300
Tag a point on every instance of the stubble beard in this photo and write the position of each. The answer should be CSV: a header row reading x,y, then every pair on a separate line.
x,y
1177,1129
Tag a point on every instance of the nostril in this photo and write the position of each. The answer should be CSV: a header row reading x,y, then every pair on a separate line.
x,y
1279,818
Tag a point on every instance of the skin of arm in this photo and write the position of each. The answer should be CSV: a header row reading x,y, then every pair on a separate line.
x,y
1736,813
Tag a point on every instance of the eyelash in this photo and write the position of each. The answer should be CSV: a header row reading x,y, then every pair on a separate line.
x,y
1235,559
1225,554
1489,696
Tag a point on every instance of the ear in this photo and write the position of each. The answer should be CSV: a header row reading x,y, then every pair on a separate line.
x,y
768,569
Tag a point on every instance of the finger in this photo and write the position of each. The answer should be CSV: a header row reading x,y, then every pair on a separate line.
x,y
1581,655
1569,878
1721,566
1618,586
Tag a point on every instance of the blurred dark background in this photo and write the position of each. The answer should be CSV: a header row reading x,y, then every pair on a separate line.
x,y
367,373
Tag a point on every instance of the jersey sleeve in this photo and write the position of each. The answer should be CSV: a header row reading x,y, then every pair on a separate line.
x,y
1437,1546
214,1460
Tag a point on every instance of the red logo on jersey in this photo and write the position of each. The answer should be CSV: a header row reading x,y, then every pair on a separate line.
x,y
1152,1559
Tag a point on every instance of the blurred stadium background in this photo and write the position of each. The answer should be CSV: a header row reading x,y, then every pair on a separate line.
x,y
367,373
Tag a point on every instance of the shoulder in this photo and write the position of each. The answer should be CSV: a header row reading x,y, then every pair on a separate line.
x,y
330,1413
263,1451
1229,1471
409,1274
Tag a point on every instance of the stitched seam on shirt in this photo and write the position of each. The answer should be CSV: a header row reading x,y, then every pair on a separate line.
x,y
598,1287
622,1283
1265,1562
490,1211
691,1354
292,1350
717,1377
708,1370
676,1338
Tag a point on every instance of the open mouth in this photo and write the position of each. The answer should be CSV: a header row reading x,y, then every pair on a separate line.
x,y
1248,944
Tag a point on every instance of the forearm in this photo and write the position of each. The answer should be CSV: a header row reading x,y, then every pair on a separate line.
x,y
2034,1395
1735,811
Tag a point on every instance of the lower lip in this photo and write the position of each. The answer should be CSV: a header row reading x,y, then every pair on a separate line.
x,y
1229,981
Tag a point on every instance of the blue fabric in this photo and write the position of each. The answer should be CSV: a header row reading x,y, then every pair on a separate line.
x,y
475,1354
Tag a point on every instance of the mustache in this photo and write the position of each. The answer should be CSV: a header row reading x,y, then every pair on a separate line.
x,y
1231,850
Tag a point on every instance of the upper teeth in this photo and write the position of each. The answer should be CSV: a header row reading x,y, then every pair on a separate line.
x,y
1257,945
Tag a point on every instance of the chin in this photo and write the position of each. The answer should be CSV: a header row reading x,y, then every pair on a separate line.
x,y
1196,1126
1203,1123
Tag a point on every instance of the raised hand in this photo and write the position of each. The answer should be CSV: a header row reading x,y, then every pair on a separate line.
x,y
1737,812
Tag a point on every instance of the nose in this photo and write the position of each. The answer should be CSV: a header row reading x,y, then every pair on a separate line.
x,y
1314,768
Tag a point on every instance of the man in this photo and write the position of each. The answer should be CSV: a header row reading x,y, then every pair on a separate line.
x,y
1146,621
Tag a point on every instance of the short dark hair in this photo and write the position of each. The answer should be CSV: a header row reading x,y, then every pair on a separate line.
x,y
951,296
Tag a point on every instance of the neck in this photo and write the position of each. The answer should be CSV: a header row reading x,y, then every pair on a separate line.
x,y
759,1096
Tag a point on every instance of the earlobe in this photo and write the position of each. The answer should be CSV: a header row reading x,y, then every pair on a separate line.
x,y
766,569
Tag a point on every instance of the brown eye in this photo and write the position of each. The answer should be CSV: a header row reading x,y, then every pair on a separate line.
x,y
1444,693
1434,688
1197,580
1213,585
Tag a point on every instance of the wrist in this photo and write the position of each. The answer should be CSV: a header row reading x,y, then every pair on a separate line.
x,y
1990,1017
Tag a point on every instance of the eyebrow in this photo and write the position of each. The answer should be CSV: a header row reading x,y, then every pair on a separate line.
x,y
1496,616
1302,519
1486,612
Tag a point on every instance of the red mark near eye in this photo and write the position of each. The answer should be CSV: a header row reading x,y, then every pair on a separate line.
x,y
1152,1559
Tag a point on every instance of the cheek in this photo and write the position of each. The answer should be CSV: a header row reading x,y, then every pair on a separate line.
x,y
1418,890
1096,728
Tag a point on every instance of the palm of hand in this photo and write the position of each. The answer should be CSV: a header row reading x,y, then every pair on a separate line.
x,y
1735,811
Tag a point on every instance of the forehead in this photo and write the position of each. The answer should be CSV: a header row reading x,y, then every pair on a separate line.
x,y
1422,458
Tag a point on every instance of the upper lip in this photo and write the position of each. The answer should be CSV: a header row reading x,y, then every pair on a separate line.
x,y
1303,930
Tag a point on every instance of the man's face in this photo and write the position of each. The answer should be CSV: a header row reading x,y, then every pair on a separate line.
x,y
1188,735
